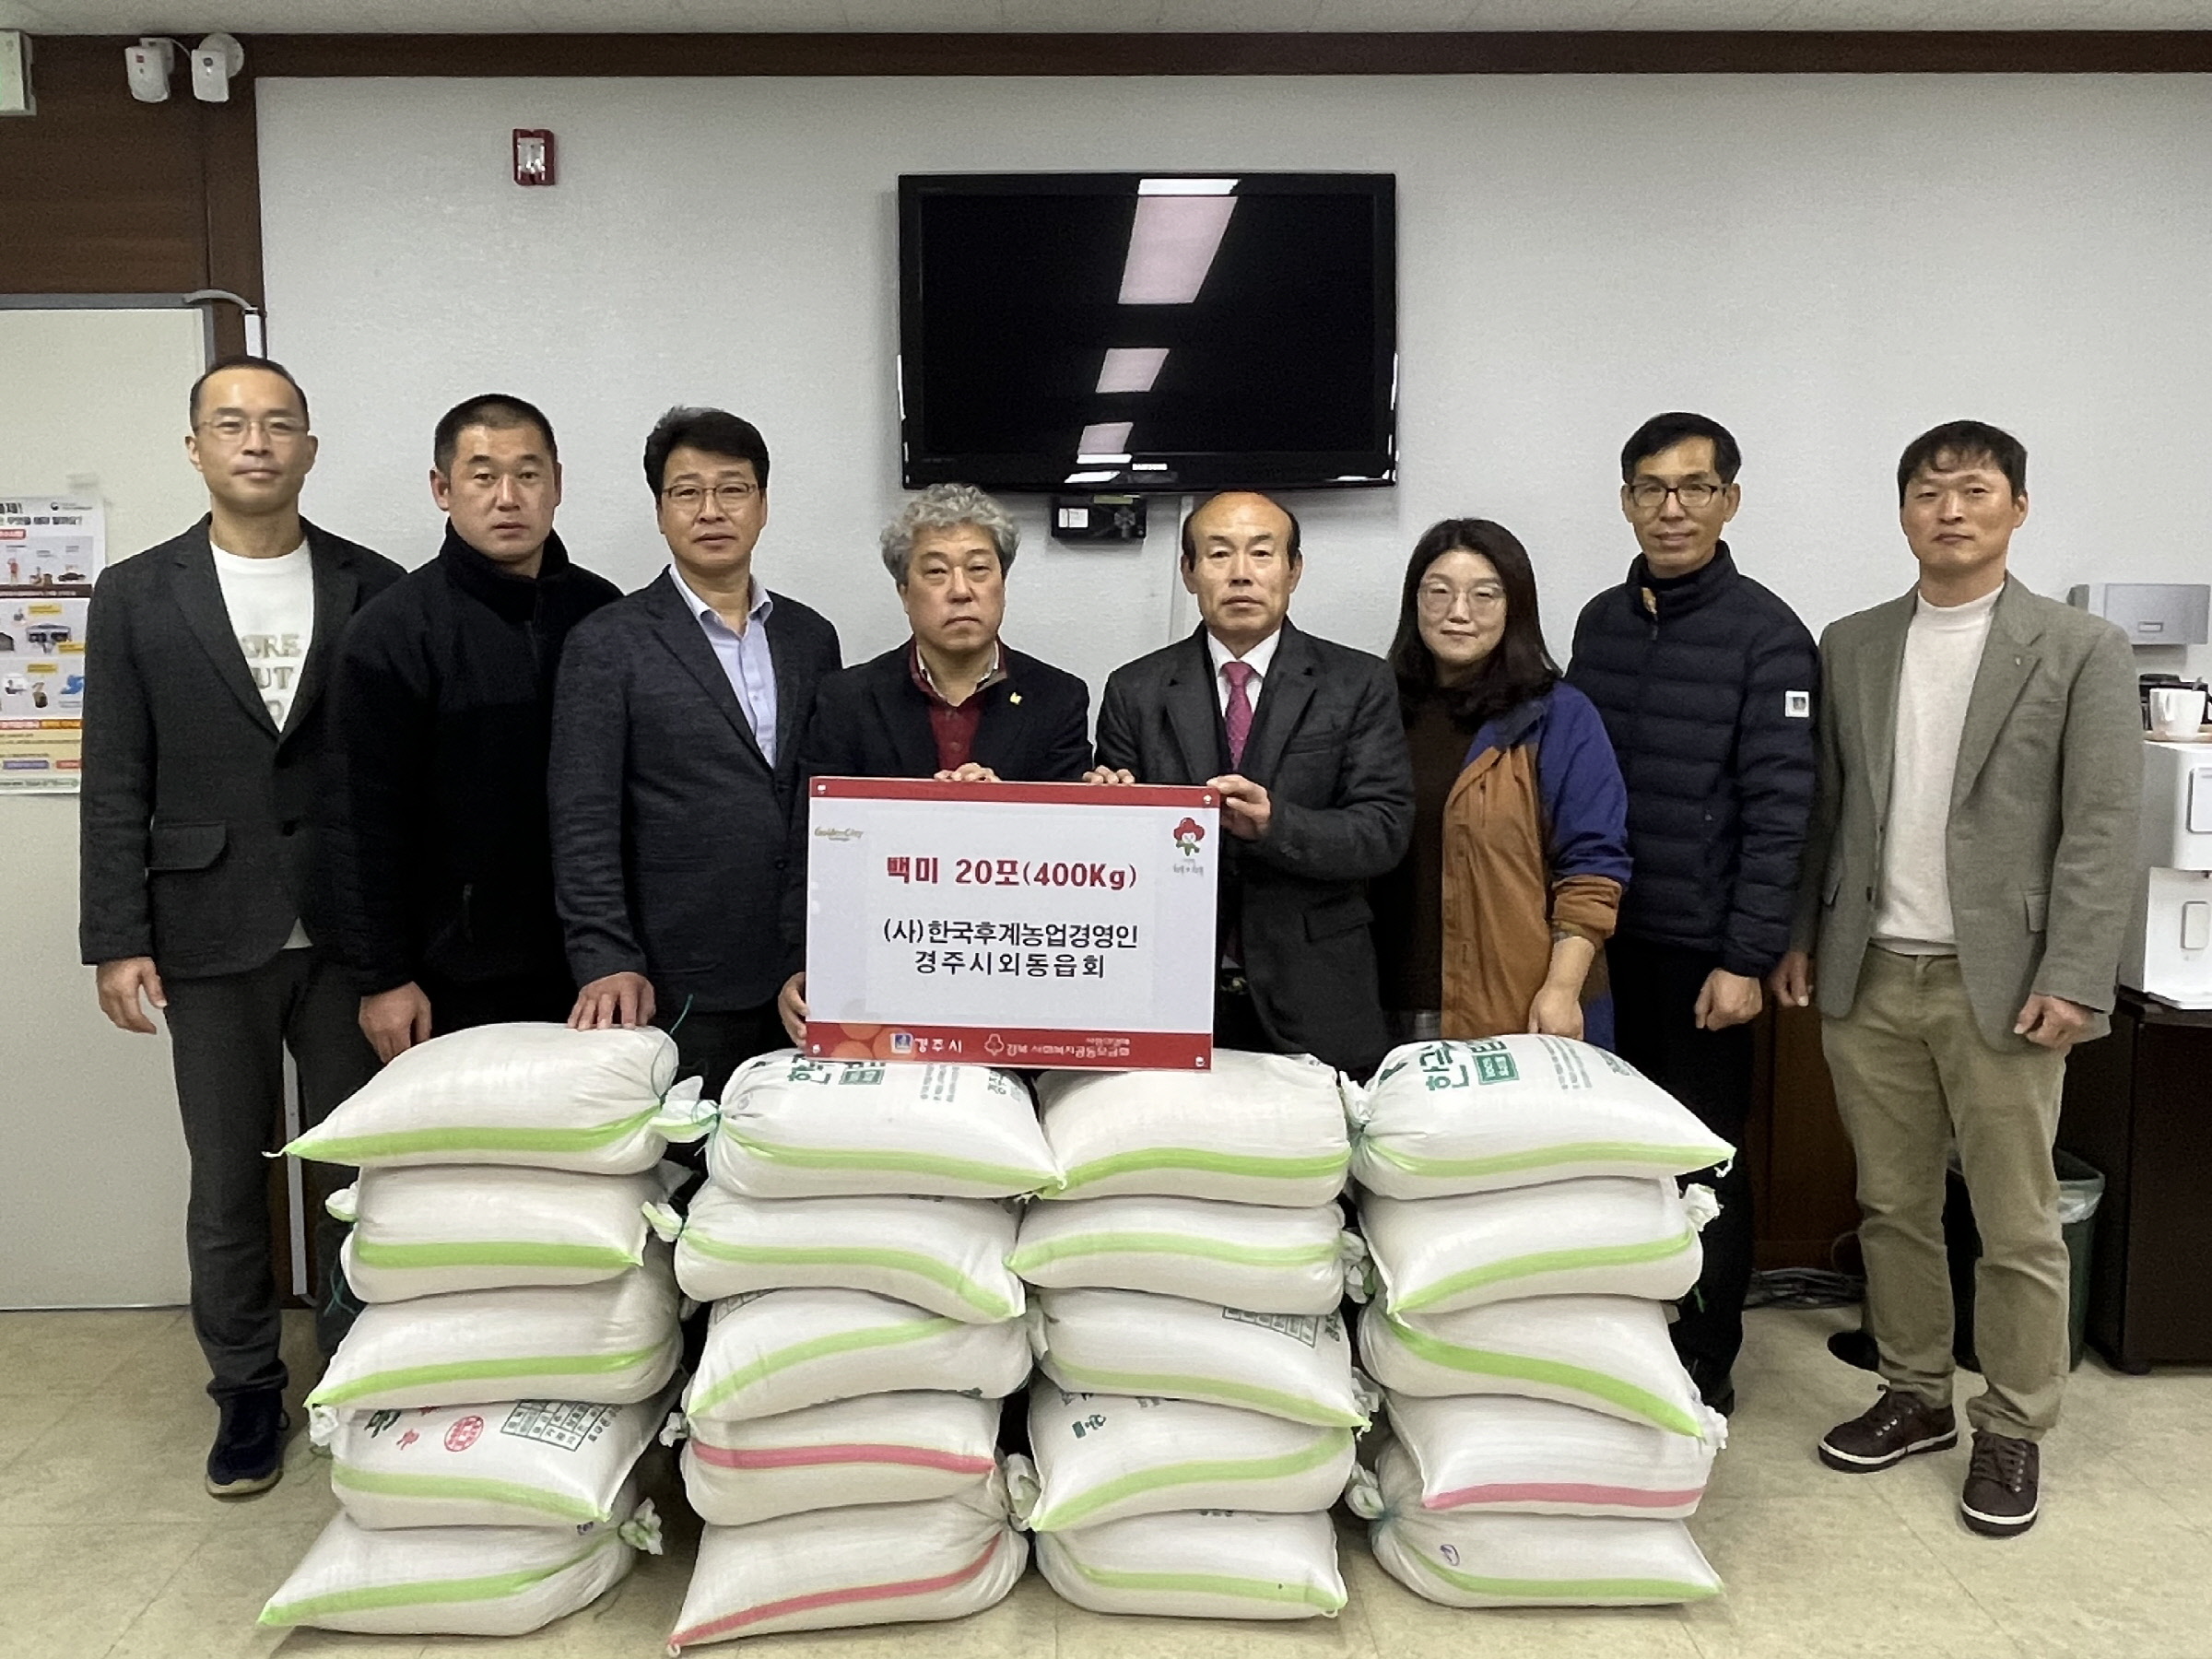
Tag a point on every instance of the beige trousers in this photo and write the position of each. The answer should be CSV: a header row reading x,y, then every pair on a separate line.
x,y
1913,1077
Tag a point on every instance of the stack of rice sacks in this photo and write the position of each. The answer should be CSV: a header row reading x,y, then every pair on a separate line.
x,y
515,1353
1519,1200
841,1429
1196,1416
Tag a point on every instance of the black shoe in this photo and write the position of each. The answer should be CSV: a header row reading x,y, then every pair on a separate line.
x,y
1898,1426
1999,1500
1722,1398
1856,1348
248,1456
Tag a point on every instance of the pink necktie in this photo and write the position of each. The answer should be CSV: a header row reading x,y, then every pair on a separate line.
x,y
1237,715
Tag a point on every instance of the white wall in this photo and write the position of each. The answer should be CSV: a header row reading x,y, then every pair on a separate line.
x,y
1827,265
92,1171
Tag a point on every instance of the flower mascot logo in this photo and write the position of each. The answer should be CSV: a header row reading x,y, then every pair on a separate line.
x,y
1188,834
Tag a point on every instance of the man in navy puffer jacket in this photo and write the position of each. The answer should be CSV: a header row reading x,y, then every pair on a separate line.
x,y
1706,681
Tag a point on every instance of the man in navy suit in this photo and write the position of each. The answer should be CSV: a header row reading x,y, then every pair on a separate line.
x,y
674,764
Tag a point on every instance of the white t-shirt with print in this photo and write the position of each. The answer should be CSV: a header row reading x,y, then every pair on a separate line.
x,y
272,606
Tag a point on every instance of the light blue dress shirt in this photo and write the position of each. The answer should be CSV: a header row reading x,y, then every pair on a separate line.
x,y
745,658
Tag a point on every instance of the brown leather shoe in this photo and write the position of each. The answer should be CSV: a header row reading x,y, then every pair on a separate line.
x,y
1895,1427
1999,1500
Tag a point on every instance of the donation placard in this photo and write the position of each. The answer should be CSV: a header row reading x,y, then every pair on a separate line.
x,y
1066,925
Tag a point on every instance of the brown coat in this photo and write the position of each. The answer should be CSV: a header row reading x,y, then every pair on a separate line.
x,y
1503,898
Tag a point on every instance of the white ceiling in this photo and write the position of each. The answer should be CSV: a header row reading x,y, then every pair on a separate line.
x,y
524,16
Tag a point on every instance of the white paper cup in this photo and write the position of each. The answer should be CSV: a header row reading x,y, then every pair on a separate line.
x,y
2176,711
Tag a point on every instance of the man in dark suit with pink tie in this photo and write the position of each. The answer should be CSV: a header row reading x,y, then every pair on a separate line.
x,y
1303,738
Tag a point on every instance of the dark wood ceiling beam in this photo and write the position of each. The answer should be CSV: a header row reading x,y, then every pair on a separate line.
x,y
1593,51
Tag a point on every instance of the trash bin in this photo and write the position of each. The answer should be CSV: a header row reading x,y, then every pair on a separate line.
x,y
2079,1189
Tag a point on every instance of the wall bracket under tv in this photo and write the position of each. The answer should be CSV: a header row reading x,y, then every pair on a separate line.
x,y
1145,332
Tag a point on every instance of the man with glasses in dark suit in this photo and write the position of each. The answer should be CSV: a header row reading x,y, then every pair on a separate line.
x,y
204,754
675,765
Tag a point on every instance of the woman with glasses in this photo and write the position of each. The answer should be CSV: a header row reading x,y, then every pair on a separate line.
x,y
1495,920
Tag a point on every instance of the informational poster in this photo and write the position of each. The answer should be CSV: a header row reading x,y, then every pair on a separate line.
x,y
52,549
1049,925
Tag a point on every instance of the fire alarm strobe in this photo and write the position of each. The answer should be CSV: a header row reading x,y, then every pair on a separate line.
x,y
533,156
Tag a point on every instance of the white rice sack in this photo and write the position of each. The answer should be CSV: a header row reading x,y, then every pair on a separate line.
x,y
608,1343
602,1101
883,1563
1107,1457
1198,1564
430,1229
1238,1255
1288,1365
946,1254
1604,1353
878,1448
1602,1235
525,1463
793,1127
1481,1558
1494,1451
1255,1129
781,1350
458,1581
1471,1117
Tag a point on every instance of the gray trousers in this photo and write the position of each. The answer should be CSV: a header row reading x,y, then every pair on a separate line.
x,y
227,1036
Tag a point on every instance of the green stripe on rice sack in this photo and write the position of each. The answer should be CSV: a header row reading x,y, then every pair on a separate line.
x,y
937,1272
1546,1261
1331,1446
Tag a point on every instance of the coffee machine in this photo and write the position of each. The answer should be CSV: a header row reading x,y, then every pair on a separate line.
x,y
2169,953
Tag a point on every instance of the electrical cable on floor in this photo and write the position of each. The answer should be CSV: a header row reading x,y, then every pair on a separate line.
x,y
1804,1288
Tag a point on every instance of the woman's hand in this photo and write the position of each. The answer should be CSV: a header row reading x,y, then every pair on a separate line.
x,y
1556,1012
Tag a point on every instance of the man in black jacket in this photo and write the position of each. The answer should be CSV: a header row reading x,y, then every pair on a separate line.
x,y
442,870
676,738
1706,682
1303,738
954,702
204,758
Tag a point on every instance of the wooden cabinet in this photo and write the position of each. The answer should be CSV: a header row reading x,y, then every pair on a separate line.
x,y
2138,1109
1803,1175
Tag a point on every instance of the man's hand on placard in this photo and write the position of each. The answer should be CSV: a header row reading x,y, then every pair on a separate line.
x,y
1727,999
395,1021
615,999
1245,808
790,1004
968,773
1109,774
120,982
1792,981
2052,1022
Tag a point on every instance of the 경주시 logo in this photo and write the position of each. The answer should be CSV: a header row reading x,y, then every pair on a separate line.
x,y
1188,834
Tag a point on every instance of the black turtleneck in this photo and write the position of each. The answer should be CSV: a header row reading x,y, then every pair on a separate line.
x,y
443,703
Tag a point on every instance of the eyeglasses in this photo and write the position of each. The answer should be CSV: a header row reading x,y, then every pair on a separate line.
x,y
277,429
1649,494
690,499
1436,597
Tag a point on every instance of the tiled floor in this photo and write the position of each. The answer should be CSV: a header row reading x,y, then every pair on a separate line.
x,y
109,1547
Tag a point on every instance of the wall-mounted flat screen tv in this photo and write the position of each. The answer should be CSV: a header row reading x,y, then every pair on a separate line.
x,y
1126,331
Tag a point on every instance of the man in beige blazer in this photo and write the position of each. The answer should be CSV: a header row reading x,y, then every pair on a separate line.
x,y
1968,876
